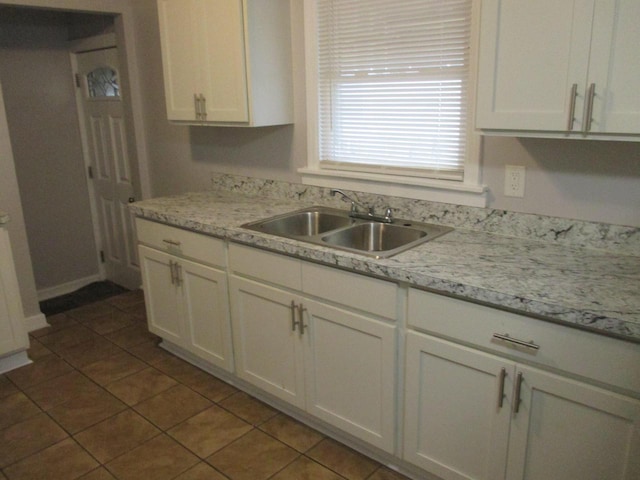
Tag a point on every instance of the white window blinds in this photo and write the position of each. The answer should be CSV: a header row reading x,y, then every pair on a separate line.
x,y
393,82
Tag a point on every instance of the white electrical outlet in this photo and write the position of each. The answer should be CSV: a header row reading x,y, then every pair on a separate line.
x,y
514,181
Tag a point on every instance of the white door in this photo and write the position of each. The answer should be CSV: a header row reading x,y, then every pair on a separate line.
x,y
267,347
111,169
178,37
457,410
206,312
13,336
224,75
350,365
161,295
531,56
566,429
615,67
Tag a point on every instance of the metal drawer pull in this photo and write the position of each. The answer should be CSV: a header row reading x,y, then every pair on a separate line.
x,y
588,109
516,393
501,377
572,106
521,343
294,323
171,242
173,272
301,324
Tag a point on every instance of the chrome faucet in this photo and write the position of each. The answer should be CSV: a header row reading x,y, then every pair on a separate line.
x,y
368,213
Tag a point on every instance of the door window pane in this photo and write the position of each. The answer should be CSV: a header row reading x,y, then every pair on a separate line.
x,y
103,82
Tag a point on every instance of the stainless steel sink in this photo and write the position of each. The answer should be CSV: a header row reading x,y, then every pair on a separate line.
x,y
334,228
303,223
374,237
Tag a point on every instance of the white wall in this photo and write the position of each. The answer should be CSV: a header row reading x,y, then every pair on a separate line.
x,y
585,179
41,110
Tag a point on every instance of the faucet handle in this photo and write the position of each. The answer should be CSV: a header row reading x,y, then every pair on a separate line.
x,y
388,214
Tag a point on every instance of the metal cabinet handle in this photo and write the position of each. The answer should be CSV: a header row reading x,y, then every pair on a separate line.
x,y
521,343
516,393
588,109
203,107
178,268
294,322
196,102
501,377
175,243
301,324
572,106
173,272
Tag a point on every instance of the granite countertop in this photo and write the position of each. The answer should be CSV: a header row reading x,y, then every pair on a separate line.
x,y
581,287
4,217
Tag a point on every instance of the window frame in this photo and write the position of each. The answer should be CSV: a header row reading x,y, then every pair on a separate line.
x,y
469,192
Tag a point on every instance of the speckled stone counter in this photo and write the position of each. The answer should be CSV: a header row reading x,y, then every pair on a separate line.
x,y
588,288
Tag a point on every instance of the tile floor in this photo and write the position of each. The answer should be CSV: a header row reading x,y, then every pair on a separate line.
x,y
102,401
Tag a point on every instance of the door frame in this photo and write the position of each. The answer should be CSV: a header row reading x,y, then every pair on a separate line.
x,y
124,27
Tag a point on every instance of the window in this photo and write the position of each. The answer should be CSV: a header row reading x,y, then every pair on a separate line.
x,y
389,92
103,83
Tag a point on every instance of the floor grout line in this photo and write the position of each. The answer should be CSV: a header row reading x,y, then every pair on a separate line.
x,y
151,361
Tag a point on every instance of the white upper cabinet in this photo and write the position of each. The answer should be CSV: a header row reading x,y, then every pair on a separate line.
x,y
227,62
567,67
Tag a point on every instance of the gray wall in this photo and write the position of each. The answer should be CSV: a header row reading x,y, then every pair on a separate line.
x,y
35,71
589,180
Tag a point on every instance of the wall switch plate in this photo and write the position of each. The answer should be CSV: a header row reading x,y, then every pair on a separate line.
x,y
514,181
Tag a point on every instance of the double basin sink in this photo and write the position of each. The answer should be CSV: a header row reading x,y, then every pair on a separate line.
x,y
334,228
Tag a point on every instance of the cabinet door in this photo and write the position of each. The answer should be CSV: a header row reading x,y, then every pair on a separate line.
x,y
223,75
615,67
206,313
161,295
179,24
268,352
350,364
13,336
531,54
454,424
567,429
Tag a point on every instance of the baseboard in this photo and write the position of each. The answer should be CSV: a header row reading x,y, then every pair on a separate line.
x,y
63,289
16,360
35,322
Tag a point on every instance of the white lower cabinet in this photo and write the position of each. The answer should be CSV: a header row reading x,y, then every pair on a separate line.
x,y
454,425
336,363
186,301
474,415
268,350
350,372
569,429
13,336
486,394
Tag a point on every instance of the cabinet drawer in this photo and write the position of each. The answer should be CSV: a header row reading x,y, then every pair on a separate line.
x,y
600,358
350,289
182,243
270,267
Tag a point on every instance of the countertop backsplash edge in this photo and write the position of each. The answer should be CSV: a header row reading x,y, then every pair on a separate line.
x,y
618,239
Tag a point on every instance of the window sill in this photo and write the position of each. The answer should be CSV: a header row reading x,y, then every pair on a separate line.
x,y
407,187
